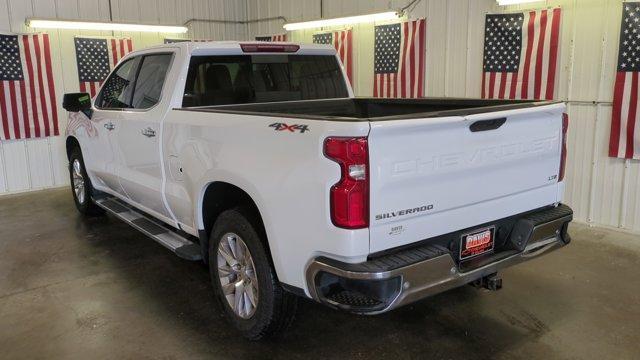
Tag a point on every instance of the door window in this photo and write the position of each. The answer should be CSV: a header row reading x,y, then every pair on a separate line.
x,y
150,80
117,90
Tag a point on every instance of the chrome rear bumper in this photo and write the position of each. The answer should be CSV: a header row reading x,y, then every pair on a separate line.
x,y
380,285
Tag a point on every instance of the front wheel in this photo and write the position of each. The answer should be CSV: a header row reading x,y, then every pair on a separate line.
x,y
81,185
244,280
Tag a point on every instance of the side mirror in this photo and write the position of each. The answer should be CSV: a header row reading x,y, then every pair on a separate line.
x,y
75,102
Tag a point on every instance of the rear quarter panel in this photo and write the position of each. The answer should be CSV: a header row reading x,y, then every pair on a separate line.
x,y
285,173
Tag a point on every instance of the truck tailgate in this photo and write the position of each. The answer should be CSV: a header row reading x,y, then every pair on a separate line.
x,y
433,176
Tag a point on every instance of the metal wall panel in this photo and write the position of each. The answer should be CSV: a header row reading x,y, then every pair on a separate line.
x,y
454,46
632,219
40,163
602,190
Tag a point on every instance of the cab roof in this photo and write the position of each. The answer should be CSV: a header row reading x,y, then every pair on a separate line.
x,y
236,48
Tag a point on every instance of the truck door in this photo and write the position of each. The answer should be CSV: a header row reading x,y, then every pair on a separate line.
x,y
100,155
138,138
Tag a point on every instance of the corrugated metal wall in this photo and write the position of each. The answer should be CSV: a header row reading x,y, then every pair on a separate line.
x,y
454,37
602,190
41,163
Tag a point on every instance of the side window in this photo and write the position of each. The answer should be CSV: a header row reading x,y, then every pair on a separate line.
x,y
210,82
150,80
117,90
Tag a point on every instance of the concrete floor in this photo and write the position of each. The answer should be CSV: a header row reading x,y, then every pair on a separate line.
x,y
78,288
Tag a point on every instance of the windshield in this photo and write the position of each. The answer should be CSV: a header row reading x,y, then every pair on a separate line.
x,y
223,80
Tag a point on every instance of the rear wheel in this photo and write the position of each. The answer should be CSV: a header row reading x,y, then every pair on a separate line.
x,y
237,275
244,280
81,185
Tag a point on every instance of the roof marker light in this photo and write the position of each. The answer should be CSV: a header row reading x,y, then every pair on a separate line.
x,y
288,48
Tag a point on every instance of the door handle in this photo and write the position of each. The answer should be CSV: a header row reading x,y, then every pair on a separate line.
x,y
109,126
149,132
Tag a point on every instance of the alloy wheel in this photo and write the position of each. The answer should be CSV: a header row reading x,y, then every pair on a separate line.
x,y
237,275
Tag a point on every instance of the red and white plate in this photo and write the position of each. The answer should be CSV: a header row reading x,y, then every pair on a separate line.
x,y
477,242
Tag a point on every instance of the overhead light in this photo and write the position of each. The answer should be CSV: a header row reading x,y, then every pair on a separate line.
x,y
389,15
90,25
515,2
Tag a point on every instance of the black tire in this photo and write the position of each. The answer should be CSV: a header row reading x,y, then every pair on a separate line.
x,y
275,308
84,202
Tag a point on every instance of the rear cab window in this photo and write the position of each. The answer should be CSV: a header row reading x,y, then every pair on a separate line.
x,y
243,79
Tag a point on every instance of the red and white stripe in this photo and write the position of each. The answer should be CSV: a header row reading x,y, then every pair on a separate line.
x,y
624,141
28,107
343,43
408,82
117,48
536,76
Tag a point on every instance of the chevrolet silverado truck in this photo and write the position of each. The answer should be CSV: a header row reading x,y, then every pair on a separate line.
x,y
257,159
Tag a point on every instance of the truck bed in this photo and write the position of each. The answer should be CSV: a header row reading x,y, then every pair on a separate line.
x,y
373,109
435,165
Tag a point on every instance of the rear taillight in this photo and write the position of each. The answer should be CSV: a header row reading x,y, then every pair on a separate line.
x,y
349,197
563,155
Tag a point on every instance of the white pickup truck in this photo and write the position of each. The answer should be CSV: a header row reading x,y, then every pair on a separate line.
x,y
257,159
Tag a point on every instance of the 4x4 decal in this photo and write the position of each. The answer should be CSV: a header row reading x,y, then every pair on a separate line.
x,y
292,128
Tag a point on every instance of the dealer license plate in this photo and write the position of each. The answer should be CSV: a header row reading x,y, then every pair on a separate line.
x,y
477,243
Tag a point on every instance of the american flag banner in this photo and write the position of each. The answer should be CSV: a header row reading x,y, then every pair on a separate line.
x,y
342,41
27,91
624,140
96,57
521,55
275,37
399,59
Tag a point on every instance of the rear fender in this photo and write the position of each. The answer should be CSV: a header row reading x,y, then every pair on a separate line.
x,y
231,178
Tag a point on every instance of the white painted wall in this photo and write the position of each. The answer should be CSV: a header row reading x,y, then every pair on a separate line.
x,y
602,190
40,163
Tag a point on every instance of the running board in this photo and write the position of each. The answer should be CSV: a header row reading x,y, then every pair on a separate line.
x,y
172,240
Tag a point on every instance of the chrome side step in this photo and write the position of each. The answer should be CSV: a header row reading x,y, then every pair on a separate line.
x,y
169,238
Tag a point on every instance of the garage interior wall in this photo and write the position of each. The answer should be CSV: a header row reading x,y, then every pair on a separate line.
x,y
41,163
602,190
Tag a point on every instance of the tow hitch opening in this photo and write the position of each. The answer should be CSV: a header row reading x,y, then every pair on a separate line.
x,y
491,282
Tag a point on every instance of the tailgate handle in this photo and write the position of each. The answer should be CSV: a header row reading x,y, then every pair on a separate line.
x,y
485,125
